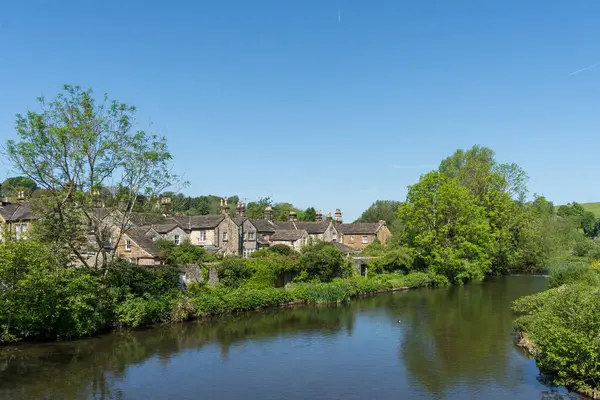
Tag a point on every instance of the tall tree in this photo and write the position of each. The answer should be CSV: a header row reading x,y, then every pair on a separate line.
x,y
447,228
72,148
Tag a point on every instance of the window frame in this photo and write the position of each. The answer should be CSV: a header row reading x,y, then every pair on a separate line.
x,y
177,240
202,237
365,239
127,244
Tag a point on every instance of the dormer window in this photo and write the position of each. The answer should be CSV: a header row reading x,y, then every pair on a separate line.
x,y
127,244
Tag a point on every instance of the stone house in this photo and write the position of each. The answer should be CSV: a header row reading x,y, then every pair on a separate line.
x,y
138,248
202,230
15,219
296,239
170,231
359,235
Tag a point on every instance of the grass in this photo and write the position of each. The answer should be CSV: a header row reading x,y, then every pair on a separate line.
x,y
593,207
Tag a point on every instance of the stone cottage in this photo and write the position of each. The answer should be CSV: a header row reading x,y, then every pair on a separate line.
x,y
359,235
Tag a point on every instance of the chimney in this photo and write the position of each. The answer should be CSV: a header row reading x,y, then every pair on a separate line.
x,y
268,213
240,210
319,216
224,207
165,205
293,217
20,196
96,199
329,219
338,216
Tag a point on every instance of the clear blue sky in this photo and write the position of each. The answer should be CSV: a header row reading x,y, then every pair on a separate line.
x,y
329,103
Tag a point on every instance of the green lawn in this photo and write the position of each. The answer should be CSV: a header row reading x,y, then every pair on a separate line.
x,y
593,207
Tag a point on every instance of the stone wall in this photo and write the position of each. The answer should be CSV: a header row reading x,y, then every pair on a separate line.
x,y
211,236
356,240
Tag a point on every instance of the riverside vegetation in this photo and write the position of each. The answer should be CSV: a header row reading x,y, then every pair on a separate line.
x,y
467,219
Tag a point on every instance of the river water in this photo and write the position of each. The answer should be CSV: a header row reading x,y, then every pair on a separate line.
x,y
454,343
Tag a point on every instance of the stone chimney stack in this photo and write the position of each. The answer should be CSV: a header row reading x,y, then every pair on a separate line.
x,y
338,216
165,205
293,217
268,213
319,216
20,196
240,210
224,207
329,218
96,199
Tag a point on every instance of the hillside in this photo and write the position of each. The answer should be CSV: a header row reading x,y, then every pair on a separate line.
x,y
593,207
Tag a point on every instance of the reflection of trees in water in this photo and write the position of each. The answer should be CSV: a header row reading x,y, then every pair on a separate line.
x,y
449,337
460,336
88,367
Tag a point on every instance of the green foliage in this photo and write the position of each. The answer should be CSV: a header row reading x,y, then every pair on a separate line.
x,y
233,272
11,186
214,301
447,228
398,259
569,273
182,254
138,311
383,210
323,262
565,330
75,146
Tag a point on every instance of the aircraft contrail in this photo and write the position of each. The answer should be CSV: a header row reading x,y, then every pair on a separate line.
x,y
584,69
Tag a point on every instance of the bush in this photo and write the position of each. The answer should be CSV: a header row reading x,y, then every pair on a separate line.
x,y
574,273
323,262
215,301
139,311
233,272
565,331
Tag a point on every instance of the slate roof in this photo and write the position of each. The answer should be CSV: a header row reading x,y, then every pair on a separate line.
x,y
17,212
239,220
262,225
198,221
287,235
313,227
164,228
139,237
344,248
361,228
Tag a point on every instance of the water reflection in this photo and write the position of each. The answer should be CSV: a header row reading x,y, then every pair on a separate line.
x,y
450,343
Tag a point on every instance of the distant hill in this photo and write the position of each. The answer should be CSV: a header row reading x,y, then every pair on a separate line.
x,y
593,207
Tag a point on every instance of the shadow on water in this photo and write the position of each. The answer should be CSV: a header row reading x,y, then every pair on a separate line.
x,y
450,343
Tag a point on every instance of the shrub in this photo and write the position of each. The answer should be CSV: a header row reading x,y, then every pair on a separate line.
x,y
233,272
398,259
323,262
574,273
182,309
565,331
138,311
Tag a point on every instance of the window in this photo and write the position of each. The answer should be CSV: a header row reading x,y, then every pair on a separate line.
x,y
128,245
247,252
20,230
202,237
250,235
245,236
365,239
224,236
177,240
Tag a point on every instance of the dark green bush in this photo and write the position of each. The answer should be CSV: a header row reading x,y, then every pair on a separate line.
x,y
233,272
323,262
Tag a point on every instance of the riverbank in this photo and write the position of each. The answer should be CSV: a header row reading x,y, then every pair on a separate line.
x,y
529,347
559,328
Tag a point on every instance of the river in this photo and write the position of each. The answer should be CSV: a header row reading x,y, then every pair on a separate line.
x,y
454,343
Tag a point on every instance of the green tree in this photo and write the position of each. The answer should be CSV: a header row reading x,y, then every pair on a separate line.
x,y
383,210
11,186
447,228
310,214
74,146
255,209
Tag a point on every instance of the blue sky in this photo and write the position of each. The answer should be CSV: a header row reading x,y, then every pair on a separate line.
x,y
329,103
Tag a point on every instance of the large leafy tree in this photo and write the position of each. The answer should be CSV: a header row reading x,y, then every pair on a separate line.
x,y
447,228
73,147
383,210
